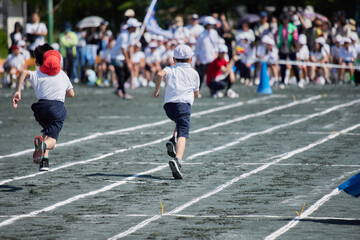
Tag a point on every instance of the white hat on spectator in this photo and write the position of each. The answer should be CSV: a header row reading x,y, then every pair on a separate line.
x,y
302,39
133,22
153,45
223,48
55,46
210,21
268,40
320,40
161,38
338,38
138,44
295,19
109,33
183,52
354,36
195,16
129,13
346,40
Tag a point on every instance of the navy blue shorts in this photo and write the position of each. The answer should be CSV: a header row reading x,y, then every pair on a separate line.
x,y
50,114
180,114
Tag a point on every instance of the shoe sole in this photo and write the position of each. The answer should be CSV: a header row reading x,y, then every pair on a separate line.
x,y
171,149
43,169
175,170
39,151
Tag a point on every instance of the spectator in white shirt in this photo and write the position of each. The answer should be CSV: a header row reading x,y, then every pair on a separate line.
x,y
152,63
303,55
194,27
206,47
269,53
347,57
35,33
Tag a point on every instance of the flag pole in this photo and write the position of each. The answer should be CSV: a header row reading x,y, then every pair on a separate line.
x,y
146,19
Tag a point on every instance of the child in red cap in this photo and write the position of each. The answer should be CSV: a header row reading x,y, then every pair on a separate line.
x,y
51,86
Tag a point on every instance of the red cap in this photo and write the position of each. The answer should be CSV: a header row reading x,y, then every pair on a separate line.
x,y
14,47
51,63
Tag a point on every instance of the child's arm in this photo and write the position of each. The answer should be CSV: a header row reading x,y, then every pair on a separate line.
x,y
17,95
159,76
70,93
196,94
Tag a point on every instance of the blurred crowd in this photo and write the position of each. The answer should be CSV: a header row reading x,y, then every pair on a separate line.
x,y
311,48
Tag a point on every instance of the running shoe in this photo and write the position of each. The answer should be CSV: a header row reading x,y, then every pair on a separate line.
x,y
44,165
175,167
39,149
171,147
231,93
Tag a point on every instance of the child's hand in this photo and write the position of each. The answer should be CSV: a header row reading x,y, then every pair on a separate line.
x,y
16,99
156,93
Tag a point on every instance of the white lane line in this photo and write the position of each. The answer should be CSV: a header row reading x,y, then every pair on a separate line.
x,y
258,114
177,210
308,211
164,139
230,144
96,135
301,164
231,182
78,197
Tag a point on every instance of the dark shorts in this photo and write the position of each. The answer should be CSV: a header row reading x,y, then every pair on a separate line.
x,y
50,115
180,114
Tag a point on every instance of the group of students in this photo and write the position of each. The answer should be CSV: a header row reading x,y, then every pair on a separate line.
x,y
52,86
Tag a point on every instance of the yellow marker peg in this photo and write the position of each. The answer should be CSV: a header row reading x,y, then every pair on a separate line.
x,y
297,213
302,208
162,208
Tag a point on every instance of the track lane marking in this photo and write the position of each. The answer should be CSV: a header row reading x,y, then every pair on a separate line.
x,y
2,182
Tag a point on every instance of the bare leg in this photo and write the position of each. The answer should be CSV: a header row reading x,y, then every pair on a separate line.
x,y
50,144
180,147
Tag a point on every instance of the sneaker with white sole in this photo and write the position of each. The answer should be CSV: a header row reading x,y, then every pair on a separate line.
x,y
175,167
44,165
231,93
171,147
39,149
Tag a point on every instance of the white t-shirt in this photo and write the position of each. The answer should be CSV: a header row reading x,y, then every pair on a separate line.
x,y
36,28
271,56
137,56
195,30
303,54
181,82
50,87
106,55
348,55
122,41
15,61
335,52
206,46
318,55
152,57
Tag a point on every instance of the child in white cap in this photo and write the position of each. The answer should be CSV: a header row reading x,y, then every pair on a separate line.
x,y
348,56
335,55
269,53
303,55
182,86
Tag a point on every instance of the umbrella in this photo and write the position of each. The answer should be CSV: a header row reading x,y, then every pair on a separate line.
x,y
250,18
91,21
352,186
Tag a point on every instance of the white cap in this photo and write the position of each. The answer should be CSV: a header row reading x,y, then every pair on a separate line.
x,y
268,40
354,36
223,48
210,21
320,40
138,44
195,16
346,40
129,13
183,52
153,45
338,38
302,39
221,41
133,22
